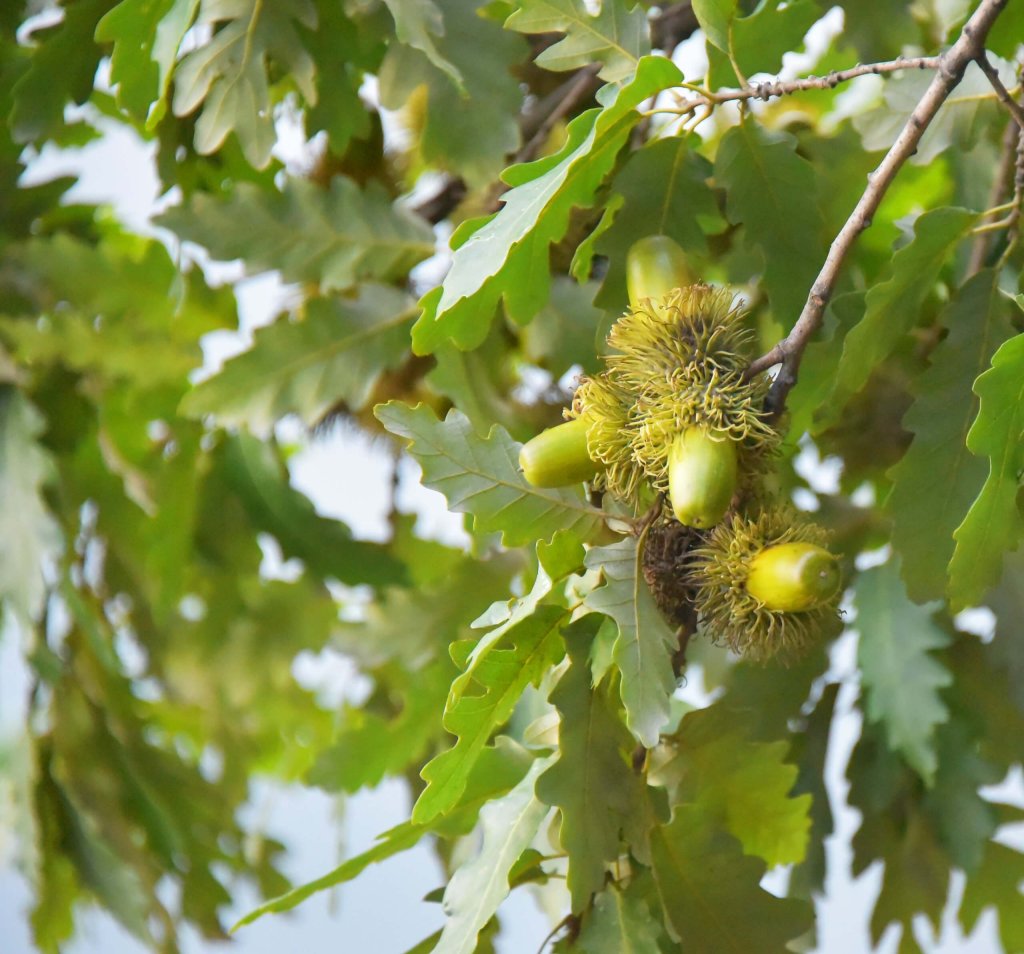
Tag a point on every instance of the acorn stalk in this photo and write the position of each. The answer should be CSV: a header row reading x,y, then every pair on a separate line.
x,y
702,476
558,456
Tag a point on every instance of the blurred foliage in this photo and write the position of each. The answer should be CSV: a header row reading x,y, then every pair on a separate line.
x,y
524,687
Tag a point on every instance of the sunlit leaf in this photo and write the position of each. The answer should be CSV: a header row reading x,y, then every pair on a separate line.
x,y
506,255
228,75
901,678
615,36
30,534
645,644
994,523
476,889
481,700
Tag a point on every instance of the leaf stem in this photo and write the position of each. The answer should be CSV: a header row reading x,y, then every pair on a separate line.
x,y
949,67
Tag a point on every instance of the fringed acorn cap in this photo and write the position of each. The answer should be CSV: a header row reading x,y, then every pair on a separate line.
x,y
721,569
678,363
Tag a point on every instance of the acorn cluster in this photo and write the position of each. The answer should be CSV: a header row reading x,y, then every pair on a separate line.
x,y
674,416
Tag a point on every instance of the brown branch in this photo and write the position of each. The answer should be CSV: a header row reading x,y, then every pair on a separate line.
x,y
1013,220
949,72
1001,91
777,88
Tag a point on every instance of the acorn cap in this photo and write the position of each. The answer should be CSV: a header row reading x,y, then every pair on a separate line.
x,y
720,572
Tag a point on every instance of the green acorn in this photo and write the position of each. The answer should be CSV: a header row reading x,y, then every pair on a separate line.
x,y
765,585
702,477
655,267
558,456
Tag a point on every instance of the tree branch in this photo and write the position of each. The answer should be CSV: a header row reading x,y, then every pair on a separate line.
x,y
1001,91
949,72
773,89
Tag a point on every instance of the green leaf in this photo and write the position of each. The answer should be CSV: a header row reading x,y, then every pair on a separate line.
x,y
619,923
482,699
592,781
963,819
745,786
146,35
260,478
892,306
507,254
958,124
62,68
997,884
715,18
508,826
772,191
481,476
228,75
370,746
468,129
31,537
1005,40
994,523
616,36
334,238
336,352
563,332
760,41
901,678
665,191
925,512
498,769
711,894
420,24
645,644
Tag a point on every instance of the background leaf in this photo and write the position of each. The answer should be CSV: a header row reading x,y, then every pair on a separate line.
x,y
334,238
334,352
31,534
901,679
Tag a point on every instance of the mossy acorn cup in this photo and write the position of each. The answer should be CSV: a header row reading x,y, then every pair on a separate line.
x,y
765,584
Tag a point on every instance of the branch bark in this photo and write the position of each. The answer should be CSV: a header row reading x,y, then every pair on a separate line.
x,y
949,72
1001,91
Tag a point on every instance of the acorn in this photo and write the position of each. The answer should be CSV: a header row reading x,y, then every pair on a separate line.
x,y
702,476
793,577
765,585
558,456
655,266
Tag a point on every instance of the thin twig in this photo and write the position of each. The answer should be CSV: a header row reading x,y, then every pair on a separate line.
x,y
1000,187
1001,91
949,72
1013,230
773,89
